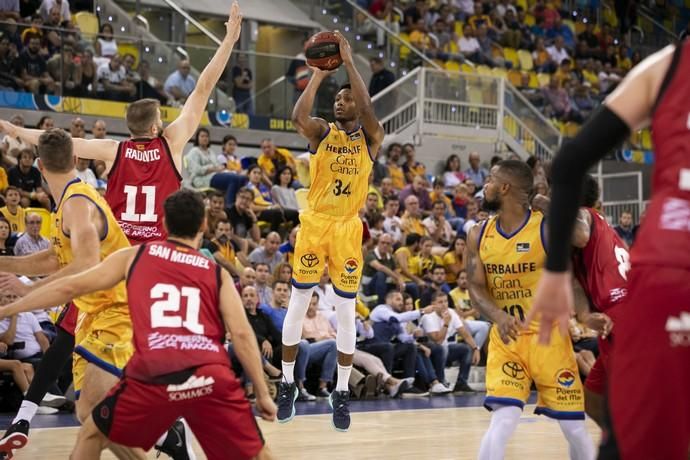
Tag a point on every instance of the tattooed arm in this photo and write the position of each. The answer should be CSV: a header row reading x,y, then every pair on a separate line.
x,y
479,294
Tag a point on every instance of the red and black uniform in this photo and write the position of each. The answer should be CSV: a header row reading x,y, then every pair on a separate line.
x,y
601,268
648,393
141,178
179,367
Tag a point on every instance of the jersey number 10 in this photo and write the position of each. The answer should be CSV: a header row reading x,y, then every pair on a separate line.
x,y
165,312
130,214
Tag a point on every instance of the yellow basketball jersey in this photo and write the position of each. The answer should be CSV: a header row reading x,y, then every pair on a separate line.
x,y
113,240
339,172
513,264
17,222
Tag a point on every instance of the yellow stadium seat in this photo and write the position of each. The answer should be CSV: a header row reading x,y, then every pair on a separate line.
x,y
510,55
499,72
87,22
571,129
46,219
301,195
515,78
404,50
510,125
530,20
636,138
525,58
483,70
523,4
453,66
543,79
129,48
453,47
468,68
646,139
458,28
533,80
580,27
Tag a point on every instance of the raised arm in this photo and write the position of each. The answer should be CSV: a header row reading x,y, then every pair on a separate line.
x,y
244,343
309,127
479,294
93,149
183,128
360,93
60,291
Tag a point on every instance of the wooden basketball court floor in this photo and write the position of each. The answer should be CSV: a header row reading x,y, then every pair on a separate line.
x,y
438,428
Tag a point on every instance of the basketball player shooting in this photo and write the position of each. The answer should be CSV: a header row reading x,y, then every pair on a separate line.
x,y
331,231
652,342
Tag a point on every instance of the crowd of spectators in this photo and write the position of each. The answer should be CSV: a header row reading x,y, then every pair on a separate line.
x,y
581,61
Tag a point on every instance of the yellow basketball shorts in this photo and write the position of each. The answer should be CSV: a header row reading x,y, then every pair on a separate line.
x,y
103,339
324,239
511,369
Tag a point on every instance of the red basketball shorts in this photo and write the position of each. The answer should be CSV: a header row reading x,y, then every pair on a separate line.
x,y
598,375
212,401
649,383
67,320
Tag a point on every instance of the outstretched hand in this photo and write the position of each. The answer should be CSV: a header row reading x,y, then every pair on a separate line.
x,y
8,128
234,24
554,302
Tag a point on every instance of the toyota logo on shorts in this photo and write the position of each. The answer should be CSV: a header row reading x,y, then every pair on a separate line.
x,y
513,370
309,260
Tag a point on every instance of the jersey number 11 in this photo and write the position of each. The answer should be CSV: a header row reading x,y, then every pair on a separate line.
x,y
130,214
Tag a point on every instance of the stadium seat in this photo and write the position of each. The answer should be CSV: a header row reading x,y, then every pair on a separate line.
x,y
510,125
453,66
129,48
45,223
87,22
458,28
525,58
499,72
533,80
453,47
404,50
543,79
580,27
646,139
515,78
529,19
468,68
483,70
510,55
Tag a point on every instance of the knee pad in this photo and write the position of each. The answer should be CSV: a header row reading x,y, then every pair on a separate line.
x,y
347,332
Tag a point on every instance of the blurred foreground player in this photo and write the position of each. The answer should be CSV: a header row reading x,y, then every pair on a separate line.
x,y
181,305
652,349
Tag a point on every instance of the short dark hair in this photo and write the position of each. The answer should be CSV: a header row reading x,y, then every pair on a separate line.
x,y
277,282
495,160
590,192
436,267
376,59
436,294
391,292
223,221
229,137
390,198
258,264
141,115
184,213
244,191
433,205
412,238
198,132
216,194
519,172
55,150
345,86
43,120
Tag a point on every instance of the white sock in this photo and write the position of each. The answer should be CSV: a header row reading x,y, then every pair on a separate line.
x,y
343,378
581,446
288,371
504,420
26,411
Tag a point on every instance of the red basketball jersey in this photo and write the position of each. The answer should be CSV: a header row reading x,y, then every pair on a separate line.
x,y
664,236
602,265
141,178
174,295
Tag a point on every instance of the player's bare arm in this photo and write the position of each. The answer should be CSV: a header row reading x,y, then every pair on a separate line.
x,y
311,128
93,149
479,294
37,264
360,93
183,128
244,344
103,275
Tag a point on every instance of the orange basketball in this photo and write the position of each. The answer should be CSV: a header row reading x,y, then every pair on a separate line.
x,y
323,51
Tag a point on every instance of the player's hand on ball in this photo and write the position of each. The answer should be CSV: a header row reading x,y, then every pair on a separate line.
x,y
507,327
234,24
266,407
601,323
554,302
345,49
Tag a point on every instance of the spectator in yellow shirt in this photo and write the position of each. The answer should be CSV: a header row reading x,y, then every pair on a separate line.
x,y
12,211
272,158
228,157
412,217
422,263
453,259
395,172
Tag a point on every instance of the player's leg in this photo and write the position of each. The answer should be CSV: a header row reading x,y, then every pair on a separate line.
x,y
508,382
561,396
225,406
309,263
52,363
345,267
15,367
651,354
90,442
595,385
